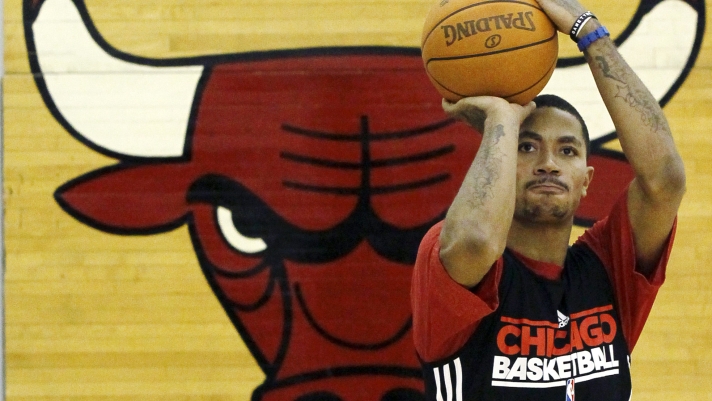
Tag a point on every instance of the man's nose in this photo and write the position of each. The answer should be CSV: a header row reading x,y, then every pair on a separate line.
x,y
547,164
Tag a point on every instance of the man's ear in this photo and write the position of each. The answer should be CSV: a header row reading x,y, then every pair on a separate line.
x,y
587,181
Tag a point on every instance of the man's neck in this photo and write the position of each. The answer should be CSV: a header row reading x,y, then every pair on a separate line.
x,y
542,242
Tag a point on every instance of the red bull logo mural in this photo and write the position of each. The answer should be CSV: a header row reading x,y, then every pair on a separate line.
x,y
306,178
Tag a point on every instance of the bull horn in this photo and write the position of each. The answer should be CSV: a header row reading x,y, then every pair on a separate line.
x,y
118,107
676,49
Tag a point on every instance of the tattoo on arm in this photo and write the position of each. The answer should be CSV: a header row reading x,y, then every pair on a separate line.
x,y
634,95
498,133
488,167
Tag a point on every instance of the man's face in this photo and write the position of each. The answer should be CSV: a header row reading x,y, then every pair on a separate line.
x,y
552,173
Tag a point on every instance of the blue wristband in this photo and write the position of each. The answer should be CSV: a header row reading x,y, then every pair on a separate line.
x,y
586,41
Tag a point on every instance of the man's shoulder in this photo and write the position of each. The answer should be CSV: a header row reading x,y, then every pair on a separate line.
x,y
582,257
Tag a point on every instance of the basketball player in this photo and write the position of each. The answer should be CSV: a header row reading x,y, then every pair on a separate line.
x,y
503,307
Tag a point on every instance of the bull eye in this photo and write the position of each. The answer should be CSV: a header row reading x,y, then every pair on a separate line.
x,y
235,238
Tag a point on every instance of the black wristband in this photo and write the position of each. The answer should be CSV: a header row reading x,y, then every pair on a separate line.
x,y
579,23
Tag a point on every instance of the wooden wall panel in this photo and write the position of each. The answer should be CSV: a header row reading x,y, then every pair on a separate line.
x,y
95,316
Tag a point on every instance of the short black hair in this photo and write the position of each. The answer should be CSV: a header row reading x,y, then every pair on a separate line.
x,y
561,104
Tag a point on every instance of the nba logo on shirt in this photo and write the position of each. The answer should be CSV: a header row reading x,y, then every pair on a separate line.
x,y
570,395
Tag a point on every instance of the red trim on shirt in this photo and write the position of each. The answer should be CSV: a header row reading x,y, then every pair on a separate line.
x,y
550,271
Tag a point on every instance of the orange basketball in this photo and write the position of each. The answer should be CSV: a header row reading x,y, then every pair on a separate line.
x,y
505,48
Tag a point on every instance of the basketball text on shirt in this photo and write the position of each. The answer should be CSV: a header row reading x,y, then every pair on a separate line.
x,y
540,354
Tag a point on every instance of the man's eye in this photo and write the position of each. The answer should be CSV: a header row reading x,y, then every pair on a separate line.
x,y
526,147
569,151
235,238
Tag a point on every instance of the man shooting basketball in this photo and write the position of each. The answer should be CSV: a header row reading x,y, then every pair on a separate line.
x,y
503,307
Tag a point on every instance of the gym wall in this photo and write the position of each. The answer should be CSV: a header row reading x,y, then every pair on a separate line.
x,y
141,139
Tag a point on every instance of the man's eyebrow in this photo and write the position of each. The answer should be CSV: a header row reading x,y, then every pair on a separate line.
x,y
529,135
570,139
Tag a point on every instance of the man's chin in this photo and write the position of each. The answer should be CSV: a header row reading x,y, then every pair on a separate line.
x,y
544,214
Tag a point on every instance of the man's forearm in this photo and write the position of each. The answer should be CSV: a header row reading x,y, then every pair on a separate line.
x,y
475,230
476,226
640,123
655,194
491,177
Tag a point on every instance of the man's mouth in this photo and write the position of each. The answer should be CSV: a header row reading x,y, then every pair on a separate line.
x,y
548,183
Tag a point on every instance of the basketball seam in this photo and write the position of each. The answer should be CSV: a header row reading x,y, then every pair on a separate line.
x,y
470,6
493,52
501,51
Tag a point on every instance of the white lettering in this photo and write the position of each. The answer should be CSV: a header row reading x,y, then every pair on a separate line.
x,y
564,364
549,369
538,372
535,373
501,367
519,369
613,358
585,364
599,358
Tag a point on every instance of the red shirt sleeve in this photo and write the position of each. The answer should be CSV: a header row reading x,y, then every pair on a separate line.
x,y
445,314
612,240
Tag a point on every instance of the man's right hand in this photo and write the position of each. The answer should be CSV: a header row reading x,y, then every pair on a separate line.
x,y
475,110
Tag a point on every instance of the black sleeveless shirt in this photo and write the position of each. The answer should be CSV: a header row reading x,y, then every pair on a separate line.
x,y
547,340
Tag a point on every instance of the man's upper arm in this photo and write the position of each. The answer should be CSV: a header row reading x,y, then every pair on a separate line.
x,y
445,314
635,291
651,221
646,139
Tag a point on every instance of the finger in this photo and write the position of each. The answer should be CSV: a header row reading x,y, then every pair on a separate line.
x,y
449,107
529,107
447,103
480,103
526,111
